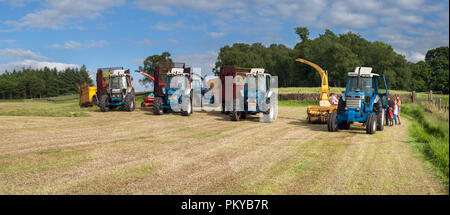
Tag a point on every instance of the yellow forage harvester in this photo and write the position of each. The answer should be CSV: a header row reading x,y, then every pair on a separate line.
x,y
319,114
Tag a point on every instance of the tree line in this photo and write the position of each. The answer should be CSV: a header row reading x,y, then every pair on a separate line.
x,y
339,54
41,83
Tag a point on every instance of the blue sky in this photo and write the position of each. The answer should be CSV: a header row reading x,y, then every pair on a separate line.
x,y
100,33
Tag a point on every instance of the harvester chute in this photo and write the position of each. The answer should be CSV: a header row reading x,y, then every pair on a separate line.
x,y
319,114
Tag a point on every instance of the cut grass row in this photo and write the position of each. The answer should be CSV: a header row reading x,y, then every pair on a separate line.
x,y
429,133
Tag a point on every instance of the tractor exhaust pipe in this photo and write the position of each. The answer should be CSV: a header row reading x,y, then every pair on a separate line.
x,y
357,82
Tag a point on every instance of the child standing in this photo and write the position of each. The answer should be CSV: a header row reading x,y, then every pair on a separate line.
x,y
395,112
391,117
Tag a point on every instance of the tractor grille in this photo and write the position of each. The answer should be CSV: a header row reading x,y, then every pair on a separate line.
x,y
353,103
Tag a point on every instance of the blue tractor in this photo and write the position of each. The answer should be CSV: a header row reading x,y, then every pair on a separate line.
x,y
251,93
365,100
175,93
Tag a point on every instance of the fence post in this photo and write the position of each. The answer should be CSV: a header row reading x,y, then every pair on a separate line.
x,y
413,97
430,96
439,103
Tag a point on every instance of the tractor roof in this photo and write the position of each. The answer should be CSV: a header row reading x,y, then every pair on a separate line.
x,y
363,71
118,72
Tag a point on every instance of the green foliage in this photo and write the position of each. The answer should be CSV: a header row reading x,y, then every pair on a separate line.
x,y
40,83
339,54
302,32
150,65
430,133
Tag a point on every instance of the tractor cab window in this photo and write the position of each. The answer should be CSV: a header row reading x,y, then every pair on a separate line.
x,y
381,85
261,83
119,82
176,82
365,84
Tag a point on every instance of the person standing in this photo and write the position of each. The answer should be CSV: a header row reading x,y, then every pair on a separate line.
x,y
334,100
395,112
399,104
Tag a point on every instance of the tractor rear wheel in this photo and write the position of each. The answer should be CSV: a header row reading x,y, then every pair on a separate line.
x,y
103,103
331,122
371,124
157,106
130,103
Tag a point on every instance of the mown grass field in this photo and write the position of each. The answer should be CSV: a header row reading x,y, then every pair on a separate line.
x,y
138,153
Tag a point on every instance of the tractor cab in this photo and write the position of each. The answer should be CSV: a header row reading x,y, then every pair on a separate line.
x,y
119,85
257,86
364,101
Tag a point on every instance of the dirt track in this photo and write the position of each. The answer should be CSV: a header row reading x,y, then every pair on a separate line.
x,y
138,153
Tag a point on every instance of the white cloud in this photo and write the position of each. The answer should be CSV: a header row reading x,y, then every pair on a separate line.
x,y
97,44
73,45
215,34
35,65
68,45
172,41
168,26
58,13
20,54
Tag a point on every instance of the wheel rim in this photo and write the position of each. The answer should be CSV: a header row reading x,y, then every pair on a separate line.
x,y
382,119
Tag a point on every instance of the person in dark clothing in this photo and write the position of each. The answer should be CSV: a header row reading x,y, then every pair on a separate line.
x,y
391,104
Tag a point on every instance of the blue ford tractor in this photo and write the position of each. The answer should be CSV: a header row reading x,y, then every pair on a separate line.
x,y
251,93
175,94
365,100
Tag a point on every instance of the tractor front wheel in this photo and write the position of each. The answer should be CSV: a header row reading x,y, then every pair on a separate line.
x,y
103,103
332,124
130,103
186,109
371,124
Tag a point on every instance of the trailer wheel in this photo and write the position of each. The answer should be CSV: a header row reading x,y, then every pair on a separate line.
x,y
186,109
371,124
157,106
331,122
103,103
234,115
130,103
380,120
